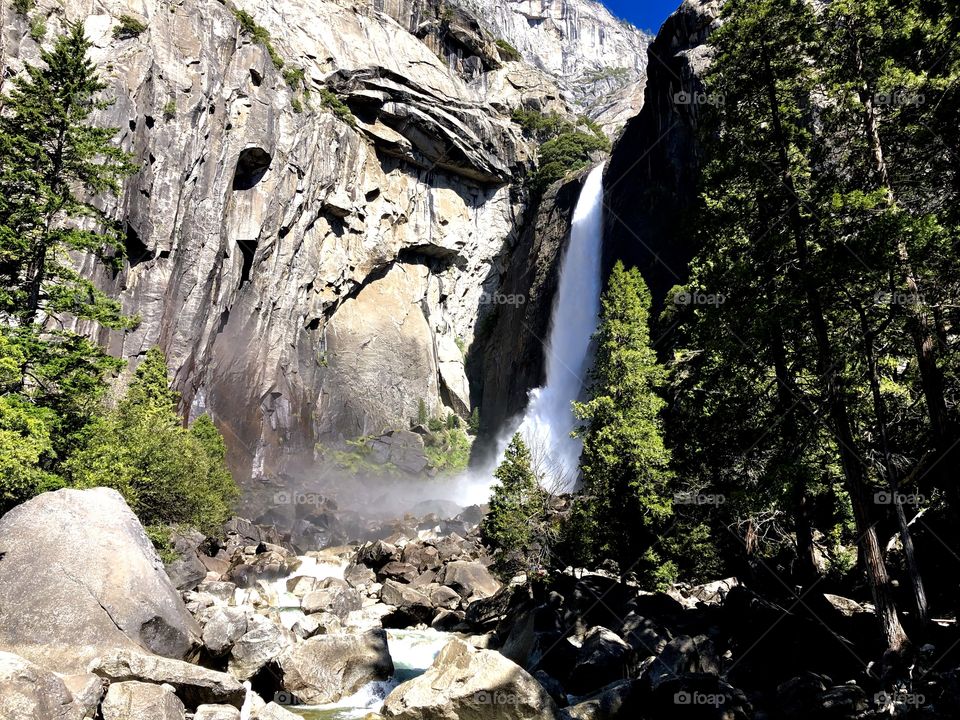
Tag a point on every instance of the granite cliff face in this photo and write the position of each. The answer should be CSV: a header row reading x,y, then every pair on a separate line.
x,y
652,177
312,245
600,62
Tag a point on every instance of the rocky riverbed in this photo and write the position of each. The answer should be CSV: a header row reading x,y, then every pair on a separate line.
x,y
409,623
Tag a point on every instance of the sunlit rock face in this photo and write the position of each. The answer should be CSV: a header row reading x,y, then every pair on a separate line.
x,y
600,62
311,271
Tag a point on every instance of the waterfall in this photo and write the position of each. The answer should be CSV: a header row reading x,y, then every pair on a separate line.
x,y
549,420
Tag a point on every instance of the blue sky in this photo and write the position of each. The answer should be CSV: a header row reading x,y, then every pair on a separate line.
x,y
645,14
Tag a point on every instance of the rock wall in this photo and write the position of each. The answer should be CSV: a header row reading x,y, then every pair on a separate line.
x,y
600,62
312,267
651,180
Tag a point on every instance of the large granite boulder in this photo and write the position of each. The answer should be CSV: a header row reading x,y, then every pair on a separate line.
x,y
29,692
326,668
79,578
134,700
464,682
194,685
471,579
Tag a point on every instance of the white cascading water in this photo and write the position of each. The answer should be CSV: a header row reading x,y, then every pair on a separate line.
x,y
549,418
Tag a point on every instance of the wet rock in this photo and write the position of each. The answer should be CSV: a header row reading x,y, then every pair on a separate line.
x,y
466,682
334,596
326,668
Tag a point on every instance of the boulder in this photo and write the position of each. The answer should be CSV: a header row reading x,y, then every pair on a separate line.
x,y
134,700
610,702
376,554
326,668
29,692
263,642
444,597
217,712
334,596
87,690
272,711
223,628
194,685
413,607
187,572
603,658
683,654
218,589
317,624
359,576
399,571
470,579
80,578
465,682
421,556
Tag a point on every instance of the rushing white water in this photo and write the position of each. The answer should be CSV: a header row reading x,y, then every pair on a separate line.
x,y
549,418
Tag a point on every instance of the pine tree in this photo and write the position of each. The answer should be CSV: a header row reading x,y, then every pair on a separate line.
x,y
517,509
625,465
52,162
167,473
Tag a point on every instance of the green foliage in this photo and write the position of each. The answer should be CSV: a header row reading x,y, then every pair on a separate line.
x,y
170,109
565,146
166,473
473,425
160,536
294,77
448,451
435,424
507,51
51,161
38,29
297,105
422,414
259,34
625,465
23,7
337,106
517,511
128,27
453,421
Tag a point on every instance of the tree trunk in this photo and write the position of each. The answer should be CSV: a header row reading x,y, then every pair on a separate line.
x,y
833,394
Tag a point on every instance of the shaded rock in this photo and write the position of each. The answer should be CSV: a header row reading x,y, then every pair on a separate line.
x,y
87,690
193,684
399,571
464,682
187,571
414,607
603,658
326,668
447,620
29,692
421,556
610,702
92,581
376,554
444,597
470,579
134,700
683,655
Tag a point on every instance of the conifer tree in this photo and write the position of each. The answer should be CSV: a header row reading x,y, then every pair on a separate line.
x,y
517,509
625,466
